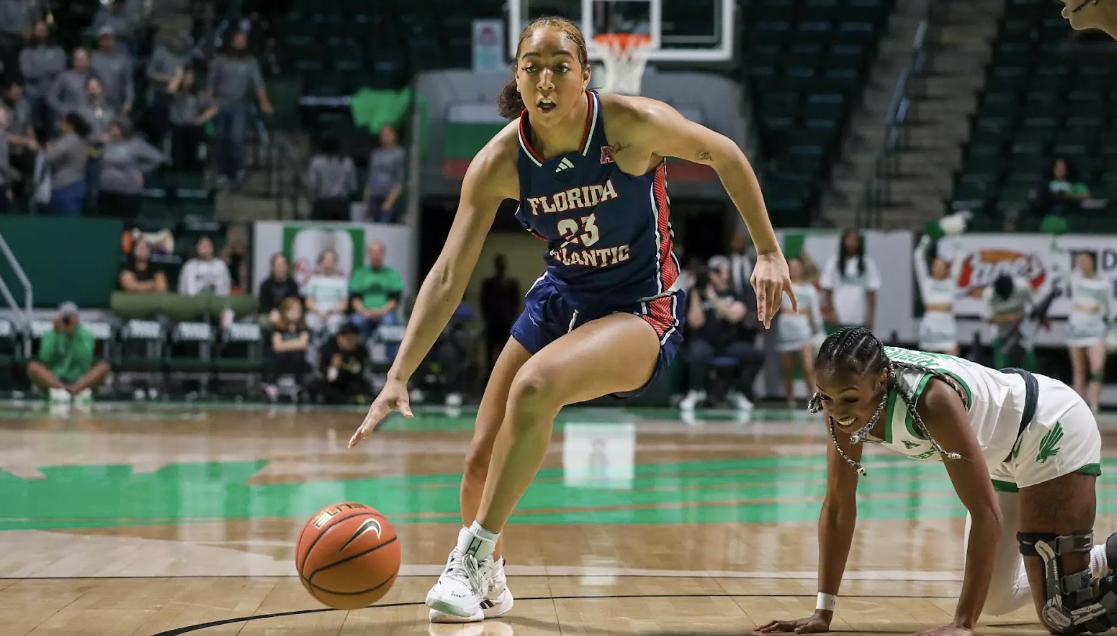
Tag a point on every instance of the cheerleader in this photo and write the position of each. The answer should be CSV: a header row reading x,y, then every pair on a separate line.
x,y
797,332
1091,310
938,330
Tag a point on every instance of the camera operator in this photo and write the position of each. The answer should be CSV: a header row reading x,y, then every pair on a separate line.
x,y
65,364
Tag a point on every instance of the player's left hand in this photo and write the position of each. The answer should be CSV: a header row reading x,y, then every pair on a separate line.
x,y
770,279
946,630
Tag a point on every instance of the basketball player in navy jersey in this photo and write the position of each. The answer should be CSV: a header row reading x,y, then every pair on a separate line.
x,y
606,315
1092,14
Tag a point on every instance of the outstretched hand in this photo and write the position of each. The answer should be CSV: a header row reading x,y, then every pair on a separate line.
x,y
813,624
393,397
771,279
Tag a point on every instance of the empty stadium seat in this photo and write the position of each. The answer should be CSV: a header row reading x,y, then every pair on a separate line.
x,y
1042,100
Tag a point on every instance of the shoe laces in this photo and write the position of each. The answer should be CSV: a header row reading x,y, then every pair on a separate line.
x,y
465,568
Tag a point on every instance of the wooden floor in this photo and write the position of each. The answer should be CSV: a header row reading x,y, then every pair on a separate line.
x,y
172,519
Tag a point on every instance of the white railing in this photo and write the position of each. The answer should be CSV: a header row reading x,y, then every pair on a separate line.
x,y
25,312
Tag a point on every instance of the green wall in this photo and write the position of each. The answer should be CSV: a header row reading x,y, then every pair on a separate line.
x,y
75,259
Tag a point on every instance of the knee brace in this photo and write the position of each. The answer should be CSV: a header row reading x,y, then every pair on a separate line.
x,y
1076,602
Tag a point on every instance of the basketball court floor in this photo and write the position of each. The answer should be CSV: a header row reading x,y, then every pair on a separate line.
x,y
181,519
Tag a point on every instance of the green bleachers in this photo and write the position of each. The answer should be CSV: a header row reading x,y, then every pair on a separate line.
x,y
338,46
806,64
1042,99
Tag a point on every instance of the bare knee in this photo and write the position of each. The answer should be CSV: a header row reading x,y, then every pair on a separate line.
x,y
531,395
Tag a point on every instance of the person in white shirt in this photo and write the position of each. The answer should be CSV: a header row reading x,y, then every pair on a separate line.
x,y
850,282
204,274
1091,312
938,287
796,332
327,294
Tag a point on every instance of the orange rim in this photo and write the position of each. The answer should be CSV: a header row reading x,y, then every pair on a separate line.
x,y
623,41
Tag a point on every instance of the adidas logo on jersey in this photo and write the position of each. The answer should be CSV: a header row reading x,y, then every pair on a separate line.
x,y
565,164
573,199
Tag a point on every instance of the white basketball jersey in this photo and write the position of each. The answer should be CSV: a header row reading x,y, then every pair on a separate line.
x,y
994,401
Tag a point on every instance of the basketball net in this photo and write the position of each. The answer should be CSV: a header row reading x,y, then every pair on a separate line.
x,y
624,57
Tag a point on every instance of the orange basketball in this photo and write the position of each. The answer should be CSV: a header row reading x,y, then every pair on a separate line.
x,y
347,556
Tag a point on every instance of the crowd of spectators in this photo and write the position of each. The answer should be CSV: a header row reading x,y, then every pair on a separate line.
x,y
86,131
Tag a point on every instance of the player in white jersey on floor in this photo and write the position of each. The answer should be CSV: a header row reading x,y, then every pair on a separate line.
x,y
1023,452
1091,310
796,332
938,287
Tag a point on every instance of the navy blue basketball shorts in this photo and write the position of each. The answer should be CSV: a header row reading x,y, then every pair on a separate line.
x,y
548,316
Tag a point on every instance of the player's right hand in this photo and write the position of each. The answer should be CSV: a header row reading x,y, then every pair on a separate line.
x,y
393,397
812,624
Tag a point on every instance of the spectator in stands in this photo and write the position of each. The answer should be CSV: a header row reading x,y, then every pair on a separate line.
x,y
190,111
65,160
376,291
500,306
849,284
327,295
233,78
16,20
332,181
204,274
68,92
276,288
9,176
235,255
126,160
139,275
22,144
716,318
1060,192
40,63
289,343
168,64
65,365
343,362
386,168
113,67
99,114
97,111
122,19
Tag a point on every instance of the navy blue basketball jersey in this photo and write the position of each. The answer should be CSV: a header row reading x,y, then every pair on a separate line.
x,y
609,237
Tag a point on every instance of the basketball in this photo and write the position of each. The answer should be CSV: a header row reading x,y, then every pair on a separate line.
x,y
347,556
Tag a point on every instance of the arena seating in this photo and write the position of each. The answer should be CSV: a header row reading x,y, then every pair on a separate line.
x,y
806,64
340,47
1046,96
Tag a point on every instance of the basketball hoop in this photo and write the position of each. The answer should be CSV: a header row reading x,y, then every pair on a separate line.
x,y
624,56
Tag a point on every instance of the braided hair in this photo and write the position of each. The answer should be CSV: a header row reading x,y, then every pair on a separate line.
x,y
858,351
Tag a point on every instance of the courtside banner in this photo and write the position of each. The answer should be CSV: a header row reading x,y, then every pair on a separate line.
x,y
1032,257
303,243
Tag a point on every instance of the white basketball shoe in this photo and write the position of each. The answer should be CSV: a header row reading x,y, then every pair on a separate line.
x,y
463,584
496,601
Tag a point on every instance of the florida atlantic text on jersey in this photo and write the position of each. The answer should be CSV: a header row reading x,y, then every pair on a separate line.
x,y
608,233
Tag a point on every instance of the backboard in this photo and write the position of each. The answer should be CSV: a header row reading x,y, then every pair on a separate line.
x,y
681,30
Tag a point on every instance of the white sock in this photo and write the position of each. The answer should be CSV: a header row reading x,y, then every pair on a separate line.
x,y
477,541
1099,565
